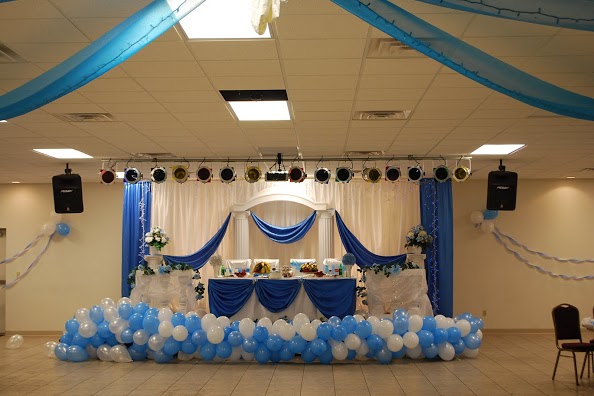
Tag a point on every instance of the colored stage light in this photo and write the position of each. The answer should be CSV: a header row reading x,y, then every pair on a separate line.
x,y
296,174
372,175
180,173
253,174
343,174
415,173
158,174
132,175
392,173
461,173
227,174
322,175
204,174
108,176
441,173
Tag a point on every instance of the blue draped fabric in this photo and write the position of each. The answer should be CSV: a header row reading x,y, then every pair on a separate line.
x,y
468,60
570,14
289,234
136,221
437,219
277,295
227,297
198,259
338,300
106,52
364,257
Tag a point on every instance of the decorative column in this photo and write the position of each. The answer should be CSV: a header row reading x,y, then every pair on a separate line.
x,y
242,234
325,235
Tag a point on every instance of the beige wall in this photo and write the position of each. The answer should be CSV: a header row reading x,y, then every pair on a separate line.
x,y
76,271
81,269
556,217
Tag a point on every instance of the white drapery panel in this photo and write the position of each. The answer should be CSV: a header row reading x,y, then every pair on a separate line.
x,y
378,214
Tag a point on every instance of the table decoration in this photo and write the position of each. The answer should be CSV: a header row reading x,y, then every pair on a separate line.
x,y
417,239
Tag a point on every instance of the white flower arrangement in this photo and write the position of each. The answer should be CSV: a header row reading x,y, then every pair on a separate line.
x,y
417,236
156,238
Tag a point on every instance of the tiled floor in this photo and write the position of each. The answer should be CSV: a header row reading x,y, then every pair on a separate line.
x,y
508,364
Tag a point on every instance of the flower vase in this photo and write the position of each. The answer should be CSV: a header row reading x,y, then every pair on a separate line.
x,y
154,261
414,249
153,251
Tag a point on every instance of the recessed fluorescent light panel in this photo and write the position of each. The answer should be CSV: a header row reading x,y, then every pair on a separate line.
x,y
63,153
261,111
497,149
221,19
120,175
3,121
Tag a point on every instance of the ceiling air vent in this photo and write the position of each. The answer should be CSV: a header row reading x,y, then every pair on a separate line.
x,y
9,56
382,115
85,117
587,170
388,48
375,153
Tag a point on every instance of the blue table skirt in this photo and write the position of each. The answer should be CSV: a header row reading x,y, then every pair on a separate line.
x,y
331,296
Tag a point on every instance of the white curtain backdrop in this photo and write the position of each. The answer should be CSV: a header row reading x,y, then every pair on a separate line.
x,y
191,213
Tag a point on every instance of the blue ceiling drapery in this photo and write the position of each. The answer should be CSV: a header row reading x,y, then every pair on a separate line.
x,y
289,234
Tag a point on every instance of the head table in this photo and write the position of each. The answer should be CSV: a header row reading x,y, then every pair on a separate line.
x,y
255,298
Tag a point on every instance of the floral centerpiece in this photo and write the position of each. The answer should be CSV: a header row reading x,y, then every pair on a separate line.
x,y
156,238
417,236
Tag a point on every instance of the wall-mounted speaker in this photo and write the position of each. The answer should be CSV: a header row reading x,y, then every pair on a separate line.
x,y
501,190
67,193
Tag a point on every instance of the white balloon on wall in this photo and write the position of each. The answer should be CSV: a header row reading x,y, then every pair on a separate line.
x,y
477,217
487,227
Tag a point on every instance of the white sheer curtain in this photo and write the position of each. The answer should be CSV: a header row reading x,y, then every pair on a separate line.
x,y
191,213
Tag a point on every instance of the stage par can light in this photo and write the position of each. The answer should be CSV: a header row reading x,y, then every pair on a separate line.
x,y
180,173
461,173
343,174
108,176
372,175
252,174
227,174
392,173
204,174
322,175
158,174
441,173
132,175
415,173
296,174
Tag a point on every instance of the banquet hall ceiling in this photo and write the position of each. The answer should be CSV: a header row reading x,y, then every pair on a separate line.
x,y
166,99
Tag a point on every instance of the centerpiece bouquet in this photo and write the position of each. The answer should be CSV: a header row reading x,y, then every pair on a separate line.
x,y
156,238
417,236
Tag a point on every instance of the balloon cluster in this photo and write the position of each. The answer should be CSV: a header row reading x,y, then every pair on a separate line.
x,y
55,224
124,333
484,220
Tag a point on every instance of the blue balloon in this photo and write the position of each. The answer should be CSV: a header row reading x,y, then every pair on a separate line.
x,y
136,354
61,351
79,340
474,325
260,333
178,319
318,346
490,214
431,351
151,324
141,308
63,229
235,338
375,342
97,341
235,325
77,354
334,321
223,350
400,354
472,341
326,357
103,330
227,330
384,355
481,324
400,325
112,341
208,351
135,321
285,353
72,326
250,345
400,313
324,331
459,347
453,335
193,323
352,353
66,339
171,346
297,344
161,357
262,354
307,355
127,336
465,316
151,311
363,329
339,332
429,323
140,348
274,343
199,338
96,314
371,353
425,338
275,356
349,323
440,336
125,310
188,346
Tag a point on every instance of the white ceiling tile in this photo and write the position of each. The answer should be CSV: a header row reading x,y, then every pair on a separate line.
x,y
29,9
195,107
160,69
186,96
57,52
341,105
322,49
8,129
26,71
174,83
247,125
406,94
56,108
322,115
119,97
103,9
217,116
319,95
377,123
318,67
401,66
307,7
141,107
372,81
457,93
233,49
321,82
162,51
243,68
328,26
111,85
56,130
40,31
384,105
248,82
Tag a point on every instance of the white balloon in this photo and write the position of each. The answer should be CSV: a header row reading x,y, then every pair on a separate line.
x,y
49,348
363,348
110,314
340,351
358,318
107,302
124,300
82,314
141,337
191,313
316,323
477,217
415,353
87,329
471,353
15,341
48,229
120,354
156,342
165,329
308,332
449,323
180,333
410,340
395,342
246,327
487,227
201,312
446,351
479,334
235,354
103,353
385,328
223,321
287,332
92,351
184,357
118,325
464,327
55,218
374,321
248,357
299,320
352,341
441,321
415,323
208,321
215,334
165,314
266,322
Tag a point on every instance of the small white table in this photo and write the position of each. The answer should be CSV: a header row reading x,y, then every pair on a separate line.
x,y
174,290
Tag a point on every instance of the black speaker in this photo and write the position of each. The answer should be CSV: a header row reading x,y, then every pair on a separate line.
x,y
501,190
67,193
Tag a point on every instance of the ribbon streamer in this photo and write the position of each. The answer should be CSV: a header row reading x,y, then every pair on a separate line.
x,y
33,264
22,252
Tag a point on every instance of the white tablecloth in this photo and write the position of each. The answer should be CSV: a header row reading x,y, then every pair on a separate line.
x,y
406,290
